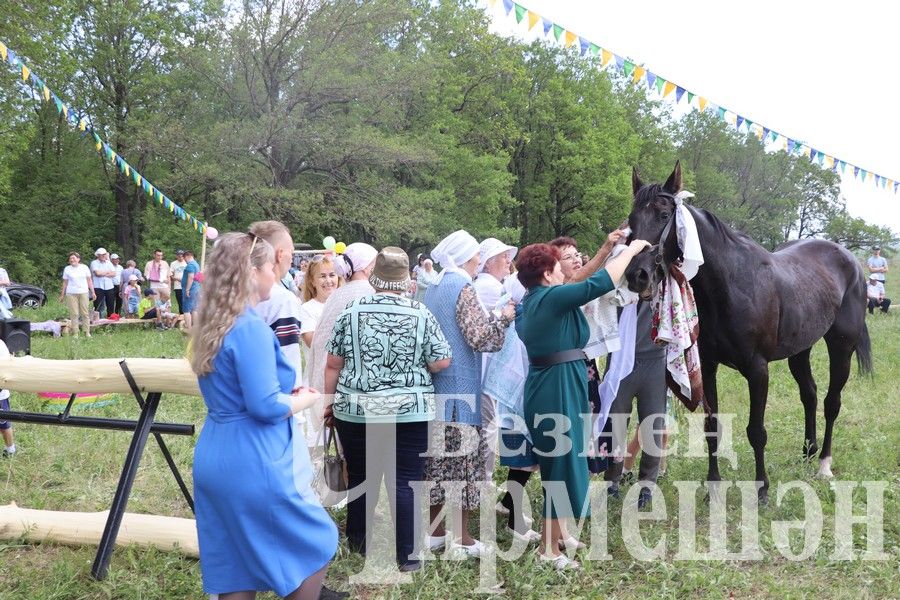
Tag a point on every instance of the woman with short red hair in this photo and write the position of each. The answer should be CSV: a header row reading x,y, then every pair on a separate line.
x,y
556,392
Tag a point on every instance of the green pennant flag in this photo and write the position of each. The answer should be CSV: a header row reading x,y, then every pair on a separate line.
x,y
521,11
595,49
774,135
660,82
749,123
690,97
557,31
721,113
628,68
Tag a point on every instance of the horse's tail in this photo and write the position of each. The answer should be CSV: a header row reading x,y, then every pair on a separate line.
x,y
864,352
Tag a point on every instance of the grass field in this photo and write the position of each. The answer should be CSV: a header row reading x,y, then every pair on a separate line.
x,y
77,469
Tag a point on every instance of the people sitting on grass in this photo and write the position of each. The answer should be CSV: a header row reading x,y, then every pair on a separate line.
x,y
147,305
875,294
165,318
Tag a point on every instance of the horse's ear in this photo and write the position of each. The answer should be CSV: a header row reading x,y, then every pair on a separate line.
x,y
636,182
673,183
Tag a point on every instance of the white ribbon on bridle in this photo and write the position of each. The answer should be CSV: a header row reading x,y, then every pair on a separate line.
x,y
688,238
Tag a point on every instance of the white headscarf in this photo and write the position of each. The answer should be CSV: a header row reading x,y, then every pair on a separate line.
x,y
360,256
453,251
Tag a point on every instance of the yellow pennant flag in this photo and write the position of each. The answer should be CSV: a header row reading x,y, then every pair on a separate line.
x,y
65,111
829,161
758,131
703,101
638,74
533,19
127,170
605,57
571,38
98,145
668,88
46,94
784,143
25,73
139,179
869,176
492,3
82,125
2,51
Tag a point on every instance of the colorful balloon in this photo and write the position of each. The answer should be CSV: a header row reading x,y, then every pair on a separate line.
x,y
340,247
328,243
211,233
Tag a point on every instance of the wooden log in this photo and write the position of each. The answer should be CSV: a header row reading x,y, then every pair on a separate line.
x,y
80,528
99,376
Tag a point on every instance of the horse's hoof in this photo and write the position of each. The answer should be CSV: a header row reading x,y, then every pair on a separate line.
x,y
825,468
762,495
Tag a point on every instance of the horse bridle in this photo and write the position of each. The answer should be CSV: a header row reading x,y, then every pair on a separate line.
x,y
658,249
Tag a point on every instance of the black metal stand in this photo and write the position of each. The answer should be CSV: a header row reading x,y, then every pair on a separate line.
x,y
142,429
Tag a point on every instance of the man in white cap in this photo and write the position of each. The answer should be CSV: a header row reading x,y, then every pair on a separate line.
x,y
102,273
493,268
357,263
117,282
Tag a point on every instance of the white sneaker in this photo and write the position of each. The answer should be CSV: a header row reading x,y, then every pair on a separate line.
x,y
560,562
530,536
571,543
436,542
476,550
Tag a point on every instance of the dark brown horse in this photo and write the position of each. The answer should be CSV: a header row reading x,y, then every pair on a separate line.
x,y
756,307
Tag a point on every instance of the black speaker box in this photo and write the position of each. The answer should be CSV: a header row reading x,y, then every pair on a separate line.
x,y
16,334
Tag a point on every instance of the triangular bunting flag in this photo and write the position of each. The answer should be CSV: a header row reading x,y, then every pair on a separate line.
x,y
547,26
660,83
595,49
638,74
533,19
749,124
127,169
627,67
507,6
520,12
760,134
2,51
13,59
668,88
722,113
702,102
739,121
557,31
46,94
679,92
867,175
570,38
790,146
690,97
25,73
605,57
620,62
585,46
765,134
878,180
651,80
843,165
855,172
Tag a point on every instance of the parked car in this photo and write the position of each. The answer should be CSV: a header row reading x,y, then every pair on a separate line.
x,y
26,296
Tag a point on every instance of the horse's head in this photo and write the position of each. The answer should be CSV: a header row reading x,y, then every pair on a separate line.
x,y
652,218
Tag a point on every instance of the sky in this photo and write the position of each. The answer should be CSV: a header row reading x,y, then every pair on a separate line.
x,y
822,72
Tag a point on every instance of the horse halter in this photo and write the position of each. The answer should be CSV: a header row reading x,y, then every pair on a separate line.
x,y
657,251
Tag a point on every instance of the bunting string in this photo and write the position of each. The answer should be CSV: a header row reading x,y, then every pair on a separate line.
x,y
81,122
671,91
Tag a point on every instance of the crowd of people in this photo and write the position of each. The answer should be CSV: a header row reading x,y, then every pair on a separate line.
x,y
424,375
118,291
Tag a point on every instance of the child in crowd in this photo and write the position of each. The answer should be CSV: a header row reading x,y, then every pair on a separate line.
x,y
147,305
132,296
165,318
6,427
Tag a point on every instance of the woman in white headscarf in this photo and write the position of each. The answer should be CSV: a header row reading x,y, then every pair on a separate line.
x,y
470,331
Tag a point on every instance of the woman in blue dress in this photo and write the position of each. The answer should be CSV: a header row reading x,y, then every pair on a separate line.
x,y
259,523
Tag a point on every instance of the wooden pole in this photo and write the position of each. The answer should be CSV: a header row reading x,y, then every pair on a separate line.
x,y
203,251
80,528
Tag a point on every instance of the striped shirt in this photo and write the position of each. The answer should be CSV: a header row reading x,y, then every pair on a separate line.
x,y
282,313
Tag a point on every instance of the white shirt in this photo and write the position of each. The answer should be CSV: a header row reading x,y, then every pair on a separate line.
x,y
101,282
117,280
310,313
4,276
877,262
77,279
875,291
178,268
489,290
282,313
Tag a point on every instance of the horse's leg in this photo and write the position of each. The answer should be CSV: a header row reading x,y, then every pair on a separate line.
x,y
802,372
711,425
758,382
839,355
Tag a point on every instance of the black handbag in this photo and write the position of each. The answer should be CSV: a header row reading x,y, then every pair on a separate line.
x,y
334,469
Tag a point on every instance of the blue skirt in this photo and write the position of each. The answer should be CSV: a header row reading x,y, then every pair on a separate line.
x,y
516,451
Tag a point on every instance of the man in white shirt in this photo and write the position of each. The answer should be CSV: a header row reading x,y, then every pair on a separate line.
x,y
157,271
496,258
175,272
102,273
877,264
875,295
117,282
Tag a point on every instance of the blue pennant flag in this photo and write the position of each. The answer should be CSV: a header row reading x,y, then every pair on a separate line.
x,y
679,92
585,46
11,57
765,134
855,172
620,62
548,25
790,146
739,122
651,80
877,180
507,6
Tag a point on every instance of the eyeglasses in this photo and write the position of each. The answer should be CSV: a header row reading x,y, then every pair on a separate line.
x,y
570,257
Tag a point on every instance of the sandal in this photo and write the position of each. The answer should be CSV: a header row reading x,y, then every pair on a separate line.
x,y
560,562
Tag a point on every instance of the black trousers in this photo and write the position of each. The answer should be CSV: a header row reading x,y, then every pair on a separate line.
x,y
884,304
118,301
362,442
106,300
178,297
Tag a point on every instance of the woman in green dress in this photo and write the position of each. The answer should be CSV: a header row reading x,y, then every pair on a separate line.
x,y
554,330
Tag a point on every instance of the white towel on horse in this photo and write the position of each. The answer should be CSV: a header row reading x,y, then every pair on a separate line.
x,y
688,238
